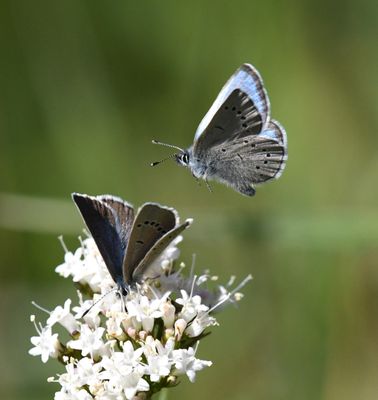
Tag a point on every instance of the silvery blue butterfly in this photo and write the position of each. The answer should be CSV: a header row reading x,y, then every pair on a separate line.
x,y
236,142
128,243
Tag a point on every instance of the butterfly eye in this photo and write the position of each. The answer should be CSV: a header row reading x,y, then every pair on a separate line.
x,y
185,158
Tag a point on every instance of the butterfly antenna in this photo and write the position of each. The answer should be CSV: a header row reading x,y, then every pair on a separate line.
x,y
167,145
153,164
96,302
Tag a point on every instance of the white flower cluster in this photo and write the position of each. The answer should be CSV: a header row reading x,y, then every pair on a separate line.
x,y
128,347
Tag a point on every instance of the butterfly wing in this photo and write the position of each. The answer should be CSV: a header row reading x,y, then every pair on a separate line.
x,y
241,108
109,220
151,223
125,214
157,249
252,159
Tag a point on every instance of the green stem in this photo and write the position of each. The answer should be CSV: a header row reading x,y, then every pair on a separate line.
x,y
163,394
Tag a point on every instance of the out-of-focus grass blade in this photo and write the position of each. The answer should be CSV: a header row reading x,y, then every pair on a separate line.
x,y
36,214
323,229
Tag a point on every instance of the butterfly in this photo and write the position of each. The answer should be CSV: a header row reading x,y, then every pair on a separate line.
x,y
236,142
128,243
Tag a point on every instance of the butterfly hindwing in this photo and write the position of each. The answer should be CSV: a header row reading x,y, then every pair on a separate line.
x,y
151,223
157,249
109,220
249,160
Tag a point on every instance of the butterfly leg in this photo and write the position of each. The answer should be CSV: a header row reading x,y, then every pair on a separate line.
x,y
197,179
208,186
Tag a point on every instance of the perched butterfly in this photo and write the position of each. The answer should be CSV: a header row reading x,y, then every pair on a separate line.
x,y
237,143
128,244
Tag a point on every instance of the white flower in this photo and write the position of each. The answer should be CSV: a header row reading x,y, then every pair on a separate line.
x,y
94,271
199,324
158,366
114,322
158,317
191,306
122,363
90,341
222,296
159,358
170,254
144,310
186,363
88,373
91,317
63,316
73,394
123,372
134,383
46,344
129,385
108,301
78,374
70,379
85,266
72,261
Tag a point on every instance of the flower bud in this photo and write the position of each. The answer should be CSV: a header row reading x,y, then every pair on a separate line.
x,y
142,335
169,332
168,310
180,326
131,332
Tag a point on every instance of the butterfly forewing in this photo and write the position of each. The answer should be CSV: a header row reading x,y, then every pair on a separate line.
x,y
151,223
108,220
247,83
157,249
124,213
237,117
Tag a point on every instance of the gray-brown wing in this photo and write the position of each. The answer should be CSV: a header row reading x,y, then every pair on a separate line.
x,y
151,223
250,160
157,249
124,212
108,220
241,108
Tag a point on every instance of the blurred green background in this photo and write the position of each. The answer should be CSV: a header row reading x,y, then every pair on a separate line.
x,y
86,85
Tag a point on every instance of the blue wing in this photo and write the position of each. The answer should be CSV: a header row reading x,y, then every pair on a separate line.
x,y
109,220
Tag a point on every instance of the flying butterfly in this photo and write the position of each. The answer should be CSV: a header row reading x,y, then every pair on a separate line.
x,y
236,142
128,243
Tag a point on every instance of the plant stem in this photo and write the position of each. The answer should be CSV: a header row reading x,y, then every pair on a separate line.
x,y
163,394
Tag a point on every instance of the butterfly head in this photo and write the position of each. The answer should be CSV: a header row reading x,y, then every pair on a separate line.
x,y
183,158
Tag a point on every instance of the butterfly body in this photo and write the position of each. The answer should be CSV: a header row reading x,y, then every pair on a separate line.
x,y
236,142
128,242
